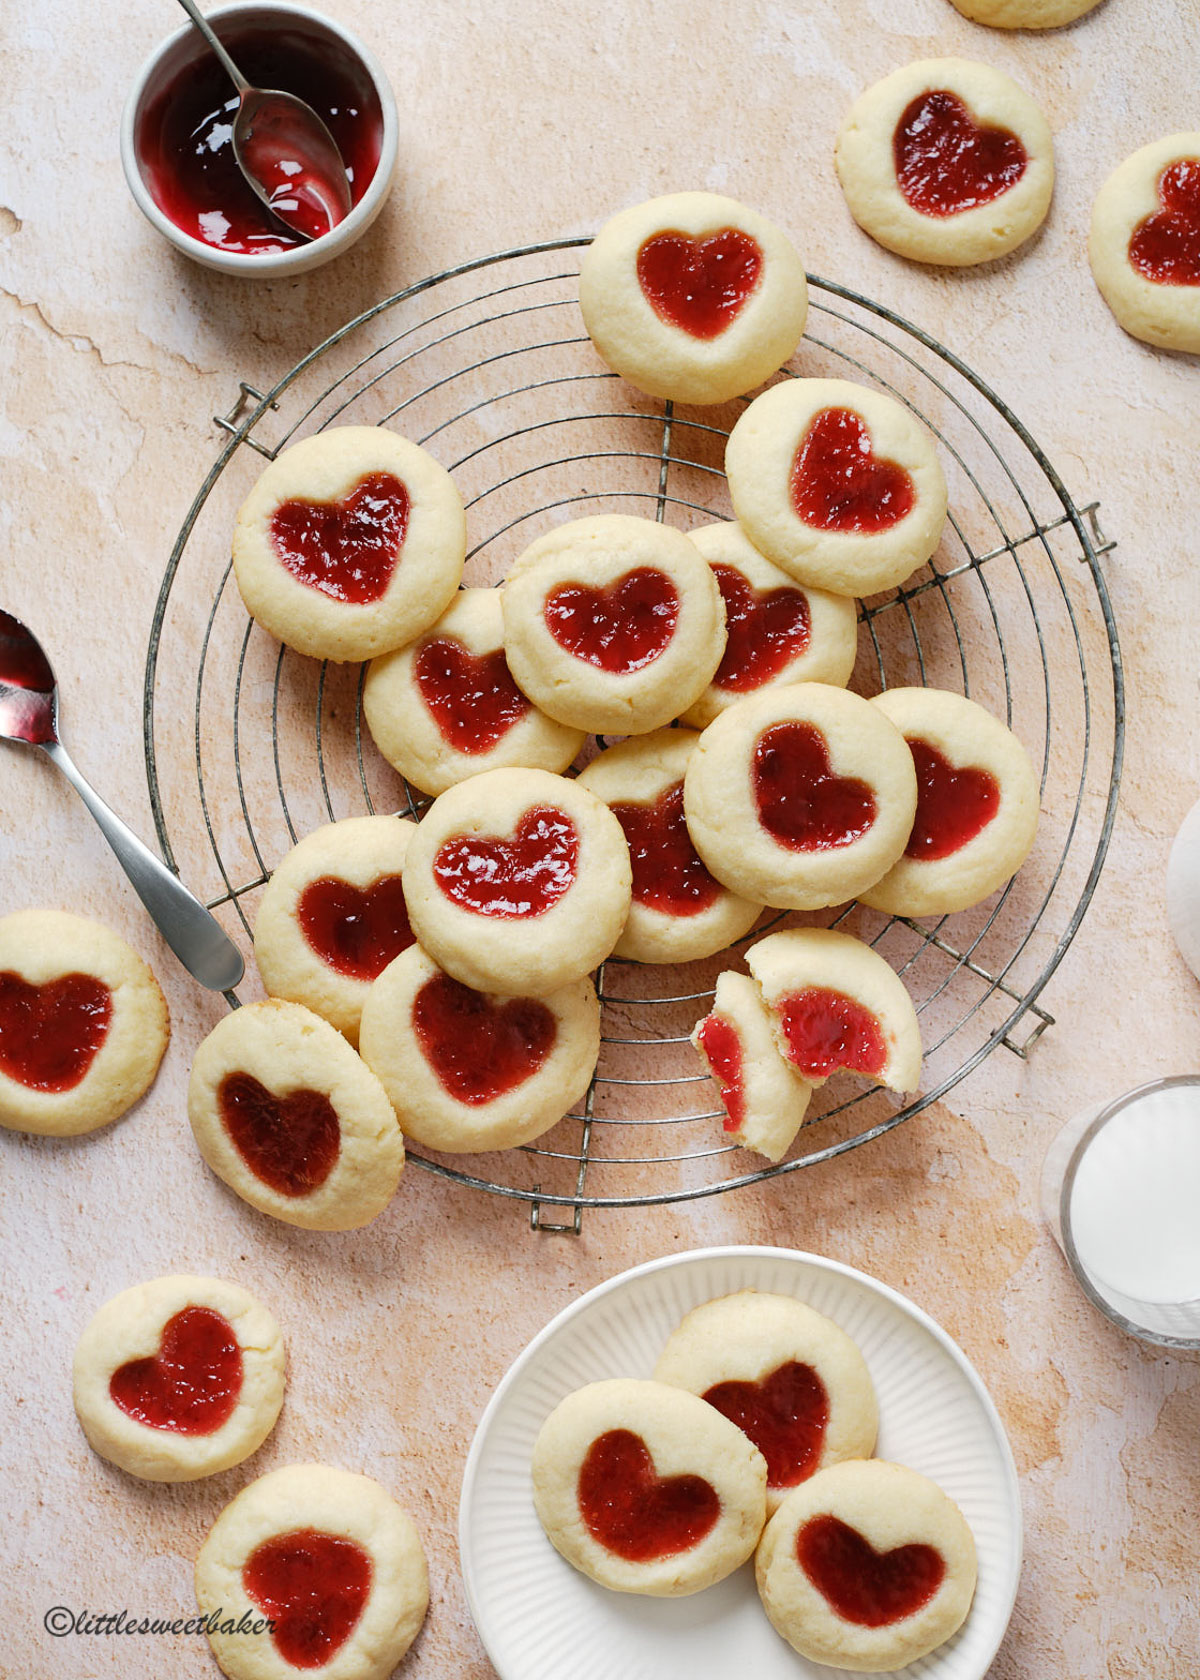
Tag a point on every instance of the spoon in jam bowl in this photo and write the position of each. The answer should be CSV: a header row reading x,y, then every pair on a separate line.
x,y
29,713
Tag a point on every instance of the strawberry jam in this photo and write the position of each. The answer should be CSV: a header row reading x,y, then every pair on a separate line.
x,y
765,631
313,1587
800,801
946,162
522,876
191,1385
699,285
50,1035
667,872
838,482
357,931
480,1047
346,550
633,1511
471,697
721,1044
291,1142
619,629
953,805
866,1587
785,1415
826,1030
1165,247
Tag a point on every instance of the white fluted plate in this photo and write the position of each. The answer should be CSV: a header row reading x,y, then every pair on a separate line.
x,y
539,1619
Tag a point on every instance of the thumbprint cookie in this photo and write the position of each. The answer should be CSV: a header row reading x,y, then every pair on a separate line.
x,y
1144,244
765,1098
1024,14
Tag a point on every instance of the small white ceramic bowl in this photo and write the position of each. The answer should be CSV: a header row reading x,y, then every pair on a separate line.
x,y
187,46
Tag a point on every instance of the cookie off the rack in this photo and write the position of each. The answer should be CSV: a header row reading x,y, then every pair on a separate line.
x,y
1144,243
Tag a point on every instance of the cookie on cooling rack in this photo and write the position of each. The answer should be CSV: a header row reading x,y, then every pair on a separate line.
x,y
1144,244
613,624
329,1560
679,911
765,1098
946,161
466,1070
866,1566
1024,14
179,1378
646,1489
837,484
693,297
351,543
83,1024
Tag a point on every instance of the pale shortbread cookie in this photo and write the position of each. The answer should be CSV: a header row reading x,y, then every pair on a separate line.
x,y
83,1024
800,796
1024,14
836,483
777,631
333,560
693,296
638,624
946,161
679,911
977,804
765,1098
293,1120
833,1584
596,1462
446,706
179,1378
837,1004
518,881
467,1071
333,916
331,1559
1144,243
789,1377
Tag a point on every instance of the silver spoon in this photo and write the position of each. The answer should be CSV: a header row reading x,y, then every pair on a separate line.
x,y
284,150
29,713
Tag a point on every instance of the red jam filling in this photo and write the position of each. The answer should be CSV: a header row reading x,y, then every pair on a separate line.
x,y
1165,247
765,631
290,1142
480,1047
636,1513
314,1587
946,162
191,1385
866,1587
522,876
826,1030
357,931
838,482
722,1046
699,285
801,803
785,1415
346,550
667,872
50,1035
471,697
953,806
22,662
620,629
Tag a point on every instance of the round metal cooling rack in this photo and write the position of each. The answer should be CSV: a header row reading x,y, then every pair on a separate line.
x,y
249,746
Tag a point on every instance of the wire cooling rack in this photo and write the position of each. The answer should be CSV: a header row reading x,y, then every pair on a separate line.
x,y
250,746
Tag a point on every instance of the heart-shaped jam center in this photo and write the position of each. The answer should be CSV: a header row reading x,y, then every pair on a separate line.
x,y
946,162
290,1142
522,876
800,801
470,696
721,1044
357,931
191,1385
632,1510
619,629
49,1035
838,482
785,1415
347,550
1166,246
480,1047
827,1030
765,631
667,872
699,285
953,805
866,1587
314,1588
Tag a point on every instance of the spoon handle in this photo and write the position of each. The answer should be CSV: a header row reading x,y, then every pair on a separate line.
x,y
193,11
195,936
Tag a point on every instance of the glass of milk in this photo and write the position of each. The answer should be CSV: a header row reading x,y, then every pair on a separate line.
x,y
1121,1192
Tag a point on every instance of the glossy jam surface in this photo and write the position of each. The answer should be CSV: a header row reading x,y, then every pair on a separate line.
x,y
827,1030
357,931
290,1142
953,805
480,1047
946,162
620,629
722,1046
667,872
50,1035
191,1385
765,630
838,482
800,802
524,875
699,285
185,136
470,696
866,1587
22,662
346,550
1165,247
314,1587
785,1415
636,1513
